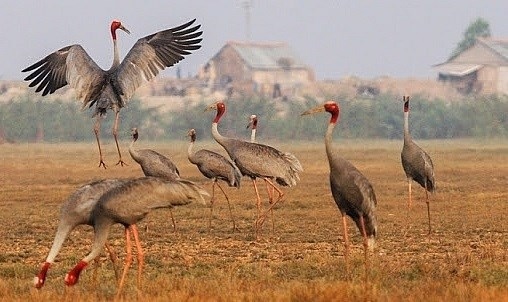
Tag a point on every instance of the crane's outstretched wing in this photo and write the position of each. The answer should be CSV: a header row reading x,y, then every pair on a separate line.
x,y
68,65
153,53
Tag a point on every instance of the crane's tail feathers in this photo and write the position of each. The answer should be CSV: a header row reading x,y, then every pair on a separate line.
x,y
294,167
294,162
195,192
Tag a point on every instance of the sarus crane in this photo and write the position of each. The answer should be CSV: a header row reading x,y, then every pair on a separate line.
x,y
351,190
127,204
253,125
77,210
258,161
417,163
154,164
215,167
113,88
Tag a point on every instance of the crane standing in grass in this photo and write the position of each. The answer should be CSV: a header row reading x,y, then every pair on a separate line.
x,y
216,167
351,190
258,161
417,163
154,164
128,204
112,88
253,125
77,210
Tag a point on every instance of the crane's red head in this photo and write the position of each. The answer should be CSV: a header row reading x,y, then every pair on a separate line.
x,y
330,106
253,122
192,134
115,24
406,103
221,109
135,134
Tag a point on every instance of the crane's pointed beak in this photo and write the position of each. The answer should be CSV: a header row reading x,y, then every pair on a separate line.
x,y
211,107
124,29
317,109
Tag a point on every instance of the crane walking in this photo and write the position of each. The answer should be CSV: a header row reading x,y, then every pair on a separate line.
x,y
258,161
417,163
127,204
351,190
216,167
253,124
76,210
154,164
112,88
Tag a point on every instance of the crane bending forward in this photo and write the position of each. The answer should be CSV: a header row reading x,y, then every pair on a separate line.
x,y
77,210
112,88
417,163
351,190
128,204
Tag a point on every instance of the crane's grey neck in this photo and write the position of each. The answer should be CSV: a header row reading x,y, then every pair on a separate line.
x,y
253,135
216,135
328,139
190,151
116,54
134,154
407,136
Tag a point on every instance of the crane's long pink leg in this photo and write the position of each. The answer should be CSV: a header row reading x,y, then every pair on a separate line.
x,y
258,205
346,243
365,248
270,190
229,206
409,203
96,130
140,253
428,205
281,195
114,259
115,135
172,220
212,201
128,261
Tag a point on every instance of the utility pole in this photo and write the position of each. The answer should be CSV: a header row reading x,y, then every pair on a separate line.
x,y
246,4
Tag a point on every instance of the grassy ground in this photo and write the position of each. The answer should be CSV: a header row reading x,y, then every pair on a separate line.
x,y
465,258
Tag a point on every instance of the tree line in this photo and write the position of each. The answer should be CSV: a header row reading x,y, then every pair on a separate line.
x,y
28,119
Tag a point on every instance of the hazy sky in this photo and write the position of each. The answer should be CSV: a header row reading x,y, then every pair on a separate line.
x,y
398,38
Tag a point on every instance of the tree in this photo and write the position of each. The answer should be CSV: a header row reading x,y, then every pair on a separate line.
x,y
478,28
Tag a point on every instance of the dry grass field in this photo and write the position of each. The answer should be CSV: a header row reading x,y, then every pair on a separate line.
x,y
465,258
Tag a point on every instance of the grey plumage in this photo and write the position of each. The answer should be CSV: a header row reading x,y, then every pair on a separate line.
x,y
112,88
213,165
129,203
153,163
76,210
216,167
258,161
416,163
351,190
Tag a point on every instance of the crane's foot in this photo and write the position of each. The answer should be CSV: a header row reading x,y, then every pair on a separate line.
x,y
102,164
121,163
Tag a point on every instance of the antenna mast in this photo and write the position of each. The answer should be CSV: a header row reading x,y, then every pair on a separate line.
x,y
247,4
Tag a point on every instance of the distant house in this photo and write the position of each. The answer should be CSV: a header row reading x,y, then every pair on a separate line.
x,y
482,68
252,67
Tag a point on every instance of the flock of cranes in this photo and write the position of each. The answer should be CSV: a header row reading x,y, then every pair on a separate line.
x,y
104,203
